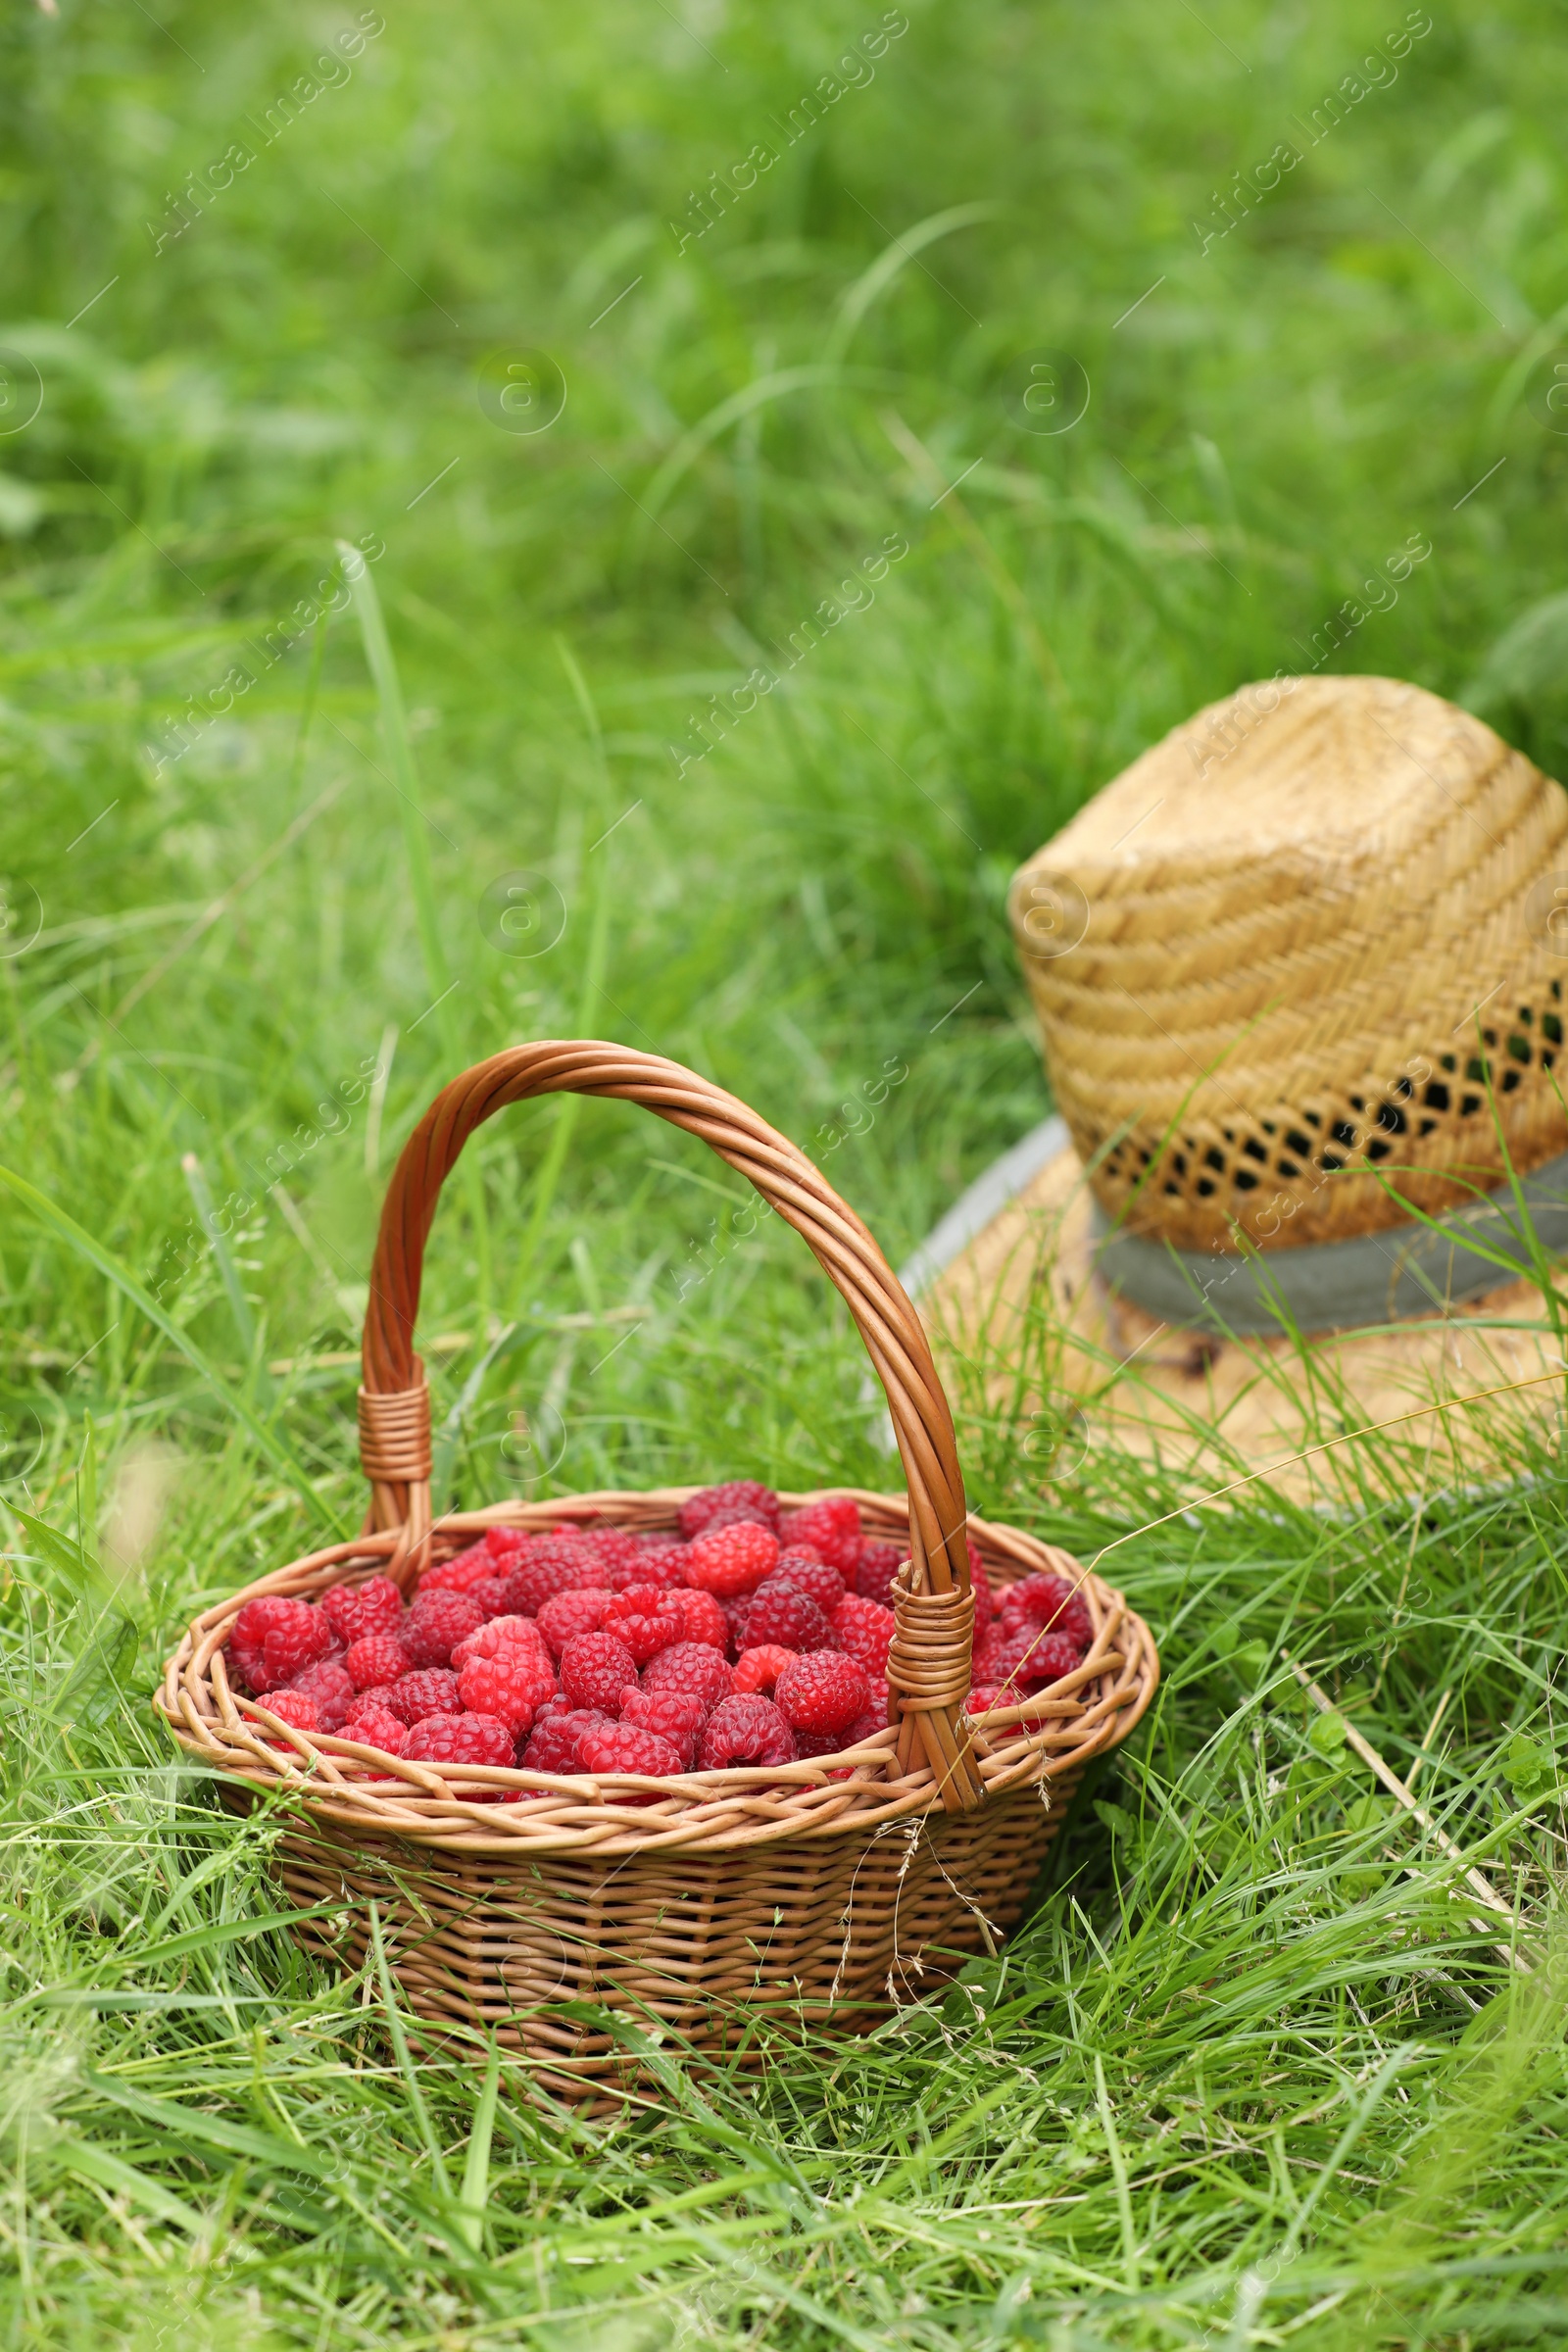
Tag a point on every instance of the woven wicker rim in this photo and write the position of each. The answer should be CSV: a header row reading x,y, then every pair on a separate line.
x,y
361,1790
936,1753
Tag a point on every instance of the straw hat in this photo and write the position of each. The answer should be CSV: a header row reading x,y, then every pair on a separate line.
x,y
1299,974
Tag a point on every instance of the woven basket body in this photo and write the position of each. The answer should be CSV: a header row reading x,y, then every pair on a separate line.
x,y
699,1903
1311,935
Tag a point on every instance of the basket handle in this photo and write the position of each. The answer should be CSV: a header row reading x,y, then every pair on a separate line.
x,y
928,1668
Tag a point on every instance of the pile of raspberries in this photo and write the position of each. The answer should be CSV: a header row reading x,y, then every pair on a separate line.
x,y
752,1637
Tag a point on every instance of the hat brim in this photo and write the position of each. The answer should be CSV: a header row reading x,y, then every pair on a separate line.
x,y
1009,1292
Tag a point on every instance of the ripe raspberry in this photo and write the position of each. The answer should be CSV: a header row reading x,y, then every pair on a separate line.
x,y
355,1610
810,1576
746,1730
673,1714
507,1543
781,1617
874,1571
375,1659
552,1742
375,1724
557,1565
615,1748
618,1553
458,1574
830,1528
294,1643
291,1706
866,1727
564,1615
435,1625
492,1594
665,1568
497,1633
760,1669
460,1739
824,1693
1031,1659
248,1634
697,1511
647,1619
703,1620
863,1632
1048,1601
431,1691
733,1613
595,1669
331,1688
731,1560
980,1584
512,1686
691,1666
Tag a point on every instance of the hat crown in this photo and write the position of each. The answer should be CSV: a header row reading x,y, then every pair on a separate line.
x,y
1257,954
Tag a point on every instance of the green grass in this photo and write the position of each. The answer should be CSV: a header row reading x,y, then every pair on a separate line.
x,y
1250,2076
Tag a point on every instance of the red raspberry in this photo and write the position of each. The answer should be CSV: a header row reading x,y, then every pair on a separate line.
x,y
866,1725
863,1632
293,1708
460,1739
810,1576
980,1584
355,1610
331,1688
691,1666
298,1634
436,1623
512,1687
734,1616
615,1748
432,1691
492,1594
780,1617
552,1742
745,1494
746,1730
618,1553
673,1714
874,1571
647,1619
1050,1603
703,1620
665,1568
558,1565
760,1669
564,1615
507,1544
457,1575
294,1643
497,1633
248,1634
377,1658
824,1693
375,1726
731,1560
831,1528
596,1670
1031,1659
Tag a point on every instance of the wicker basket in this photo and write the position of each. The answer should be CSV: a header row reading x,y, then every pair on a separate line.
x,y
697,1904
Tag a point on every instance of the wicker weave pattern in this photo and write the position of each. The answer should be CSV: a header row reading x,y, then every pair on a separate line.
x,y
1291,909
693,1903
701,1901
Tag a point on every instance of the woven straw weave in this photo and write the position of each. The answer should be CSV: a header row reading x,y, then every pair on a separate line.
x,y
1257,958
829,1887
